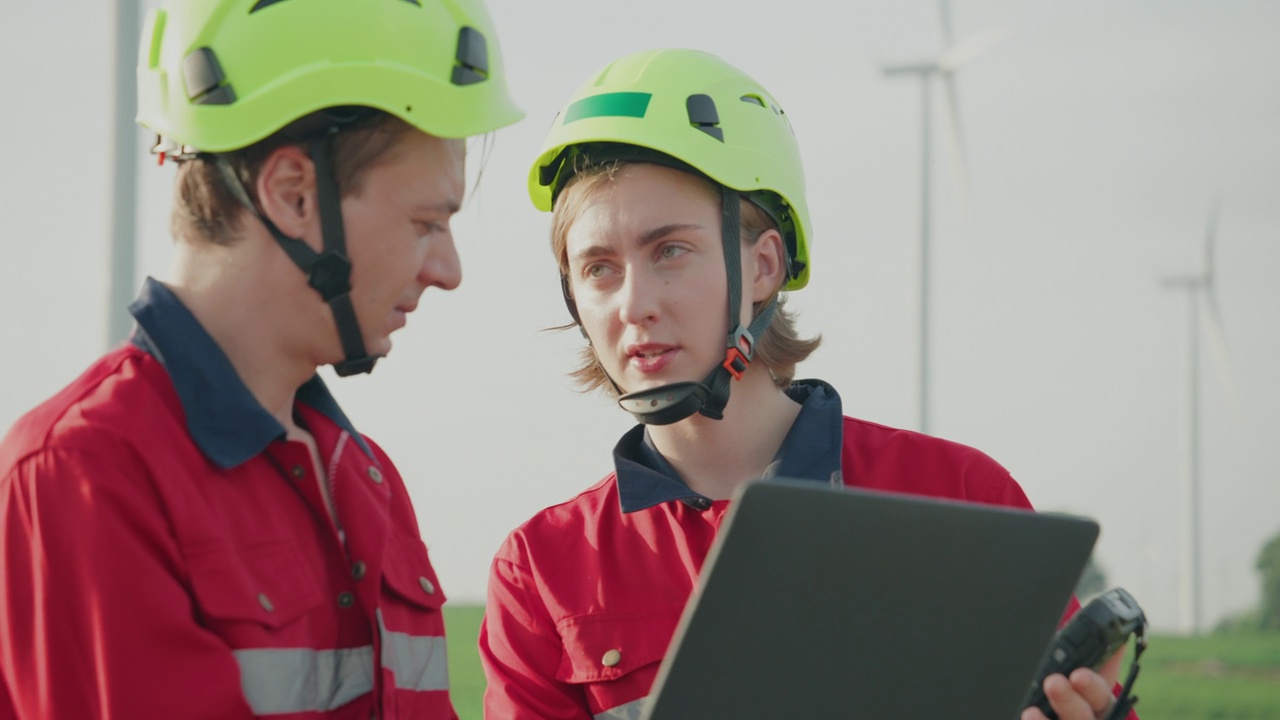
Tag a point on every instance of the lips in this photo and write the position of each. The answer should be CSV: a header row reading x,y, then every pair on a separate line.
x,y
400,314
650,357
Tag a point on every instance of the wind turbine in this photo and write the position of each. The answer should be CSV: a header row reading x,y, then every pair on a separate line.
x,y
943,67
1201,298
124,181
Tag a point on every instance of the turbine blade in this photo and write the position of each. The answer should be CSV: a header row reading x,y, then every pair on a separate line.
x,y
944,25
960,159
1211,239
1218,347
970,47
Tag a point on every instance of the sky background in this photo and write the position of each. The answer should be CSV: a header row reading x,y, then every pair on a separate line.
x,y
1098,133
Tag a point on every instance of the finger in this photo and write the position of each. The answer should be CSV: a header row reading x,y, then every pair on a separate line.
x,y
1110,670
1032,713
1066,700
1094,689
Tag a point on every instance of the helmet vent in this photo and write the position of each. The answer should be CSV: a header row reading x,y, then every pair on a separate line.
x,y
204,79
753,99
703,115
472,58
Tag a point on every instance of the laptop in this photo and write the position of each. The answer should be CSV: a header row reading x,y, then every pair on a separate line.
x,y
822,602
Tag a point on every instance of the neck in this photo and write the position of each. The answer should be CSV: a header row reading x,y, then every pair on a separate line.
x,y
715,457
252,308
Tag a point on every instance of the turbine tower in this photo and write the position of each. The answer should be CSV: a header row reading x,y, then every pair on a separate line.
x,y
124,181
943,67
1201,299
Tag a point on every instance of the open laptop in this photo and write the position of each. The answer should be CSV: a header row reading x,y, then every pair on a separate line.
x,y
818,602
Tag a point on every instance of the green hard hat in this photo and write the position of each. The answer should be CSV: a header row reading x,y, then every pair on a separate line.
x,y
218,75
698,109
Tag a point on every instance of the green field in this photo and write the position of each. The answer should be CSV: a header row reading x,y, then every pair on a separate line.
x,y
1235,677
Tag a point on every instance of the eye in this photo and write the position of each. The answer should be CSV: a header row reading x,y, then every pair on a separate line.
x,y
425,229
595,270
667,252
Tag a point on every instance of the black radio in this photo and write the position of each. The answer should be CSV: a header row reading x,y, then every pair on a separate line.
x,y
1092,635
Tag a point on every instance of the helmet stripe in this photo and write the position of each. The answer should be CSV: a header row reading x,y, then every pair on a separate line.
x,y
617,104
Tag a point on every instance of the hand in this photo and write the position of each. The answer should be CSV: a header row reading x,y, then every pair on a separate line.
x,y
1085,696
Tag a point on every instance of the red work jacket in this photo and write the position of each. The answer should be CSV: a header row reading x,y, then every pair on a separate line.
x,y
585,596
165,553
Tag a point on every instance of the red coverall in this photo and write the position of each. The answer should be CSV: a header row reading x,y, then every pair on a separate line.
x,y
165,553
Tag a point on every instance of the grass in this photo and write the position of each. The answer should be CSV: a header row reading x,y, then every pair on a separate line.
x,y
1217,677
1212,677
466,678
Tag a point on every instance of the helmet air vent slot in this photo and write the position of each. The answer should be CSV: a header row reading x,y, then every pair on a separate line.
x,y
703,115
472,58
204,79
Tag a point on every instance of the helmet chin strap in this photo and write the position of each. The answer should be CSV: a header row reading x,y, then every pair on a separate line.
x,y
671,403
328,272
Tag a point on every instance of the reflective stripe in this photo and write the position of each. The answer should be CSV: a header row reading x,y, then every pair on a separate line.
x,y
419,662
629,711
294,680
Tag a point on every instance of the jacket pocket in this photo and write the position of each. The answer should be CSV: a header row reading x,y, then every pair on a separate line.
x,y
606,646
408,574
270,585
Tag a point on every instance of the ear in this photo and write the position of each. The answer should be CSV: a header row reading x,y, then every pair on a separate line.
x,y
286,190
768,268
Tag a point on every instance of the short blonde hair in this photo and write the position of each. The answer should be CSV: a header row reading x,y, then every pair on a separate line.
x,y
779,348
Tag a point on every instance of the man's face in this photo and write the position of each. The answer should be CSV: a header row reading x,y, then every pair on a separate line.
x,y
398,233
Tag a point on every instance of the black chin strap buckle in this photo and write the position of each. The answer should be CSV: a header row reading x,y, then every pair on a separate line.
x,y
347,368
330,275
741,348
665,405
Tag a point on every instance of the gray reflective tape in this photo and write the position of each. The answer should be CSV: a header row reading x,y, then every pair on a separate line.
x,y
294,680
419,662
629,711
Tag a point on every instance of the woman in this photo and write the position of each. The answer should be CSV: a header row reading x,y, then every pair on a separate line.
x,y
676,183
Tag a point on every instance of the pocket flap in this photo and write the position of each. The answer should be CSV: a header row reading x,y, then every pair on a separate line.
x,y
407,570
269,584
607,645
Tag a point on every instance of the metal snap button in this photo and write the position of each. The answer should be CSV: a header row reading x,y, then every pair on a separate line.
x,y
375,474
346,600
357,570
265,602
611,658
427,586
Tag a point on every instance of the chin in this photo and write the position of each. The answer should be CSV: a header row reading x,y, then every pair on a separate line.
x,y
649,383
377,346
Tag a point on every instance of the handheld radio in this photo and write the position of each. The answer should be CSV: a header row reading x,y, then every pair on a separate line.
x,y
1092,635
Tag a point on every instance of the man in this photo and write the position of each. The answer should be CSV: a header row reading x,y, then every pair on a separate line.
x,y
193,528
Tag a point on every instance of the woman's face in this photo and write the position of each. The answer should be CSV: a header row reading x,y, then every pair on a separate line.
x,y
646,268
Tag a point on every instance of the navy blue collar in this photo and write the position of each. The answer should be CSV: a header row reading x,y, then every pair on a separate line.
x,y
224,419
811,451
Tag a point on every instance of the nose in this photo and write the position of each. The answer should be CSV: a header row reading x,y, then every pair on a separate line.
x,y
638,299
441,267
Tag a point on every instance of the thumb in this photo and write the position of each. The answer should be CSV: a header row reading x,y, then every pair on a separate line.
x,y
1110,670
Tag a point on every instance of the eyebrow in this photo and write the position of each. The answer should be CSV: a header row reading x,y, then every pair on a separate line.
x,y
647,238
450,207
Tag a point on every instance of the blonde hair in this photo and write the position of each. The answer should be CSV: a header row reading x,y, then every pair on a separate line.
x,y
779,348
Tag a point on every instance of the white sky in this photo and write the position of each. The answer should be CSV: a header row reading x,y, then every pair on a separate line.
x,y
1098,134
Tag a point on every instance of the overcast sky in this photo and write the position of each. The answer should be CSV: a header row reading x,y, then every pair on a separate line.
x,y
1098,134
